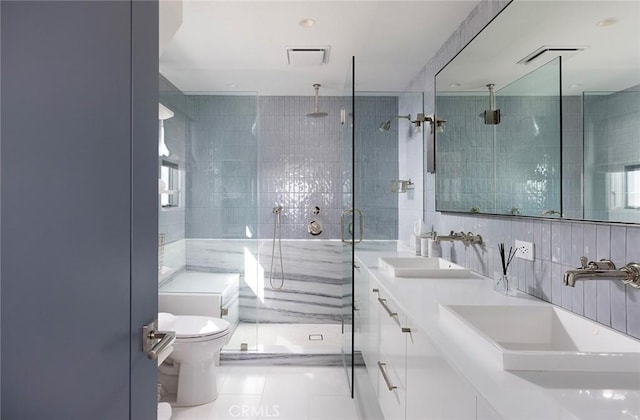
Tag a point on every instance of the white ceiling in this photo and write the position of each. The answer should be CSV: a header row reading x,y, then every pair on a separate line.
x,y
239,45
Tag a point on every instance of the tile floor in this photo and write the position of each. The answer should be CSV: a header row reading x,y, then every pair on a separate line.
x,y
276,392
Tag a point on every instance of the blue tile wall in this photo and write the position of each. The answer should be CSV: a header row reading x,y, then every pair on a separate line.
x,y
612,134
410,149
172,221
605,301
244,154
377,164
221,167
572,157
304,162
514,165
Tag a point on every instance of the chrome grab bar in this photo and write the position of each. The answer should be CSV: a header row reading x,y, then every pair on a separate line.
x,y
149,336
360,224
385,377
386,308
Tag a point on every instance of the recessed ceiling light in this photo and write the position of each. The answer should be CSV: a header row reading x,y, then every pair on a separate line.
x,y
607,22
455,85
232,85
307,23
575,85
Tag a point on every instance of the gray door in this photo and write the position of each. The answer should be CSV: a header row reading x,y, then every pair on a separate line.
x,y
78,273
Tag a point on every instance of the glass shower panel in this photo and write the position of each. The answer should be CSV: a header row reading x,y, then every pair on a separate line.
x,y
210,237
350,219
528,144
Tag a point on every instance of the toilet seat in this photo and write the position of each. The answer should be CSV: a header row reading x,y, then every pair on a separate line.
x,y
192,329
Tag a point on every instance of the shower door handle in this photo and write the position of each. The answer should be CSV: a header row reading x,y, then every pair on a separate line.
x,y
360,224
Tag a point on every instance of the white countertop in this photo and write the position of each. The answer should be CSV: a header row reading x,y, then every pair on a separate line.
x,y
513,395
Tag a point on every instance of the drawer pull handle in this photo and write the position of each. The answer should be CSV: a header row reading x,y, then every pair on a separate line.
x,y
385,377
406,330
386,308
375,290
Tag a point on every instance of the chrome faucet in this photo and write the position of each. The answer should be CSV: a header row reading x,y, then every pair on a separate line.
x,y
603,270
466,238
431,235
450,237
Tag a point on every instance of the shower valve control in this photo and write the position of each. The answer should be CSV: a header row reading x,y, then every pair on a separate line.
x,y
316,210
314,228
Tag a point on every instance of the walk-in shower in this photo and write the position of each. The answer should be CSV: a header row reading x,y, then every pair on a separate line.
x,y
292,285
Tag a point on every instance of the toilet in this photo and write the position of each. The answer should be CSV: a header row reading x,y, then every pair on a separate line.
x,y
190,370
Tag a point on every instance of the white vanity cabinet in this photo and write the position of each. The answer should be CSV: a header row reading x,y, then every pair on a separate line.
x,y
410,379
434,389
367,323
391,361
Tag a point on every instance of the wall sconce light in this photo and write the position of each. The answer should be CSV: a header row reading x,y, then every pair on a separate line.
x,y
436,123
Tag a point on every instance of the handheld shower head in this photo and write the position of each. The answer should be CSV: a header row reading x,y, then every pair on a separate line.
x,y
316,112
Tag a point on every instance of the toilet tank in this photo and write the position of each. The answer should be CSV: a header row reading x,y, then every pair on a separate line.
x,y
197,293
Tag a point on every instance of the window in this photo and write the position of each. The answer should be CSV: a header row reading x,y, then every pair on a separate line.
x,y
632,186
169,184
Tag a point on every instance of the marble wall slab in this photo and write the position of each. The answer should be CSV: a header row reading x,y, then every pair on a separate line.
x,y
313,277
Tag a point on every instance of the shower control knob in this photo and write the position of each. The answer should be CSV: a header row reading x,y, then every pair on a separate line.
x,y
316,210
314,228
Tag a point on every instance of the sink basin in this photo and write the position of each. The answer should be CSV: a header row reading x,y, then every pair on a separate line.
x,y
422,267
540,338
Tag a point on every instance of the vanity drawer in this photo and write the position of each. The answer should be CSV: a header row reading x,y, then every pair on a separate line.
x,y
392,360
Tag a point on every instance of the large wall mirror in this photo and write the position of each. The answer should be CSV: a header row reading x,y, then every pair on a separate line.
x,y
542,114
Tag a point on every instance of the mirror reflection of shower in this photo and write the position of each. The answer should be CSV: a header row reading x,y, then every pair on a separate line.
x,y
277,235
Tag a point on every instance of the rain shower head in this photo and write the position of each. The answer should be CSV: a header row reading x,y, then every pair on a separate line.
x,y
385,126
492,115
316,112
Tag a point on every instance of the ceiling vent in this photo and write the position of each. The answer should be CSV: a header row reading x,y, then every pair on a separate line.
x,y
546,53
306,56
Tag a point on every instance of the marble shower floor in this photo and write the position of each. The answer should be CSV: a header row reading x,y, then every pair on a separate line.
x,y
288,338
276,392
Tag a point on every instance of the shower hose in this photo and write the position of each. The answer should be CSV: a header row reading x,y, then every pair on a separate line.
x,y
276,234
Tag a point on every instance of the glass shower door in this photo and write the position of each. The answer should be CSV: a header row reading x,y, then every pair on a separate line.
x,y
350,224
